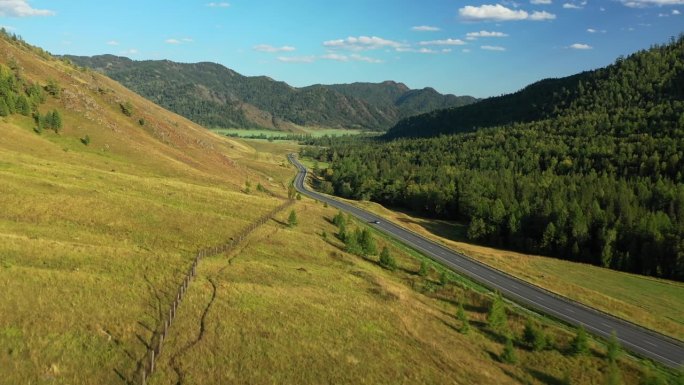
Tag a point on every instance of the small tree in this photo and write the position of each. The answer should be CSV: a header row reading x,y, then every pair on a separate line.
x,y
339,219
444,278
387,260
424,269
580,345
127,108
461,315
368,243
292,219
299,196
509,355
56,121
351,241
53,88
342,232
613,348
651,376
4,108
534,336
85,140
496,318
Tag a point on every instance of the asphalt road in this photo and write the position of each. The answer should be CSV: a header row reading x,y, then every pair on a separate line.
x,y
632,337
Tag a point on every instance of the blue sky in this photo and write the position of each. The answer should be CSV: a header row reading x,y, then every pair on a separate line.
x,y
480,48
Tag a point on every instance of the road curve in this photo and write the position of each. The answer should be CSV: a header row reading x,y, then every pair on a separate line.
x,y
632,337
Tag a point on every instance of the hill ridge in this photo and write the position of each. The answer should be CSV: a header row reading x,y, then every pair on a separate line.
x,y
229,99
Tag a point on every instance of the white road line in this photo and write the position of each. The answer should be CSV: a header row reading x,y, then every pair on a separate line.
x,y
651,343
570,310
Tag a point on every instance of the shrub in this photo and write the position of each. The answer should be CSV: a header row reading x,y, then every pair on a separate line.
x,y
424,269
85,140
496,317
509,355
292,219
387,260
580,345
534,336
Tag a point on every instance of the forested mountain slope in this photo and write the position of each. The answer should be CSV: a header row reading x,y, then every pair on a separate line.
x,y
215,96
627,93
600,182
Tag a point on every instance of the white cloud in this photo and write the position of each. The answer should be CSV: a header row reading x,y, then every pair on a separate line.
x,y
178,41
112,42
425,28
650,3
491,12
540,2
131,51
218,5
357,57
571,6
492,48
581,46
335,56
443,42
352,57
593,30
466,50
541,16
498,12
675,12
362,43
272,49
297,59
486,34
21,8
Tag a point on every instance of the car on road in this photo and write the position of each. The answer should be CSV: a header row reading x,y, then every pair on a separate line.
x,y
375,222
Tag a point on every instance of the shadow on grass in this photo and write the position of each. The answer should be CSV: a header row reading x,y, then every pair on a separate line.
x,y
123,377
280,222
545,377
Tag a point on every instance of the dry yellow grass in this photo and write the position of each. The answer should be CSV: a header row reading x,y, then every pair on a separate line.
x,y
291,307
654,303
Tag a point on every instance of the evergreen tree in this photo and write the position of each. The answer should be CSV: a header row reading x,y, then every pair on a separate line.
x,y
534,336
352,245
613,349
424,269
292,219
342,232
368,243
461,315
580,345
4,109
509,355
496,317
444,278
387,260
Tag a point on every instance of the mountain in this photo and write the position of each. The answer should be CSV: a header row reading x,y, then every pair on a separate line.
x,y
642,76
215,96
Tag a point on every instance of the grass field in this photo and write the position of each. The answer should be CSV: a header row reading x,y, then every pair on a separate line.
x,y
647,301
275,311
314,132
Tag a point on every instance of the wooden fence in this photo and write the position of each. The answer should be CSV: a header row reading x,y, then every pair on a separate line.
x,y
147,364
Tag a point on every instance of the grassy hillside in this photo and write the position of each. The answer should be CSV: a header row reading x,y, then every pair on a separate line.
x,y
93,237
215,96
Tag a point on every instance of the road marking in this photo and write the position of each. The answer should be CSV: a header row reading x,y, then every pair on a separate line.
x,y
539,297
606,325
651,343
570,310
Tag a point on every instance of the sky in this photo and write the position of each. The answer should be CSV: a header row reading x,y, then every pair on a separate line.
x,y
478,48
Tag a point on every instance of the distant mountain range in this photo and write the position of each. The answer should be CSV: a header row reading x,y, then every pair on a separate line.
x,y
215,96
